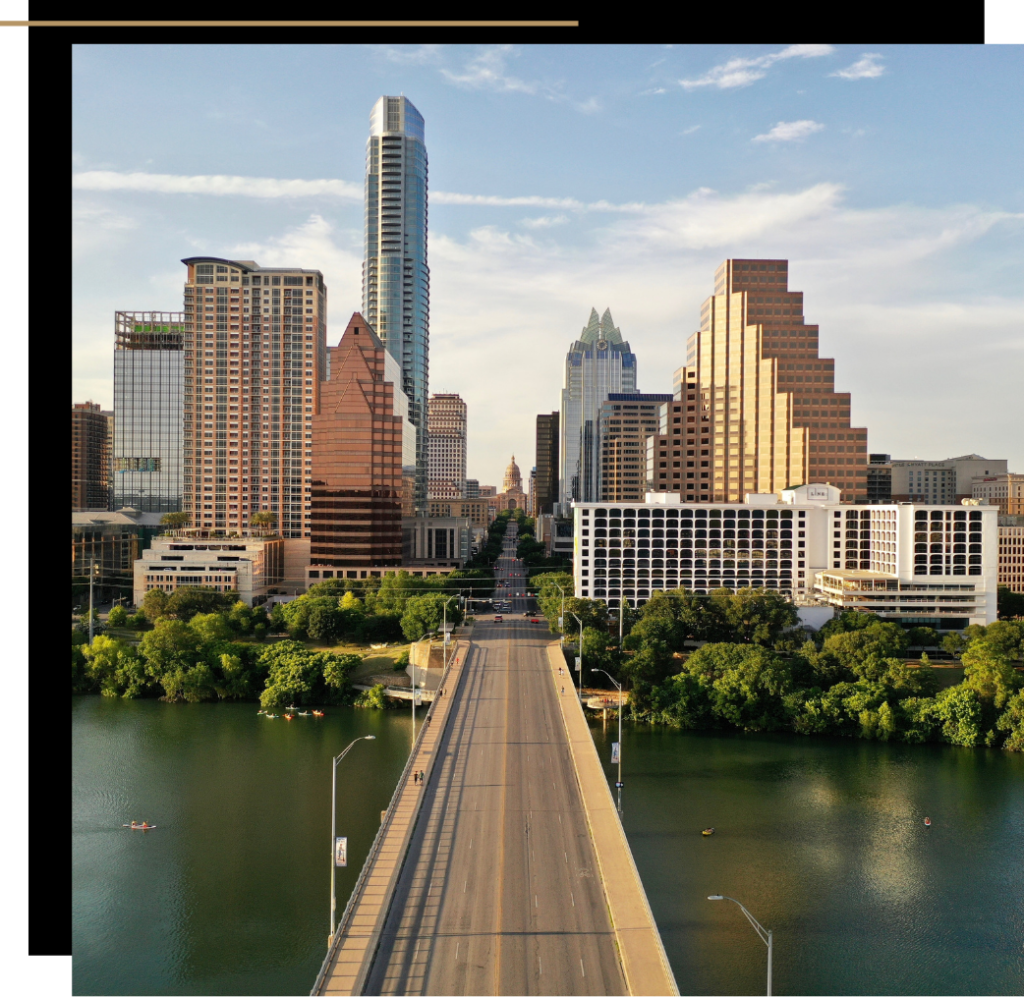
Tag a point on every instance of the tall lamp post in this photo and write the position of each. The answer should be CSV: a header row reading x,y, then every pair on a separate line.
x,y
618,784
561,618
334,807
580,622
765,936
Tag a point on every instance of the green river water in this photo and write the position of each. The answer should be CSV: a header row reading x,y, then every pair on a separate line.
x,y
821,839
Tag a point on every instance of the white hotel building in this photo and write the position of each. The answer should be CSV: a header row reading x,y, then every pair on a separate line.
x,y
923,565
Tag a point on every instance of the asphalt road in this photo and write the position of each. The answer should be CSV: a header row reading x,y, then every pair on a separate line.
x,y
500,893
510,575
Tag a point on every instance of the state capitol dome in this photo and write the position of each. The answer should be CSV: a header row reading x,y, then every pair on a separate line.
x,y
513,479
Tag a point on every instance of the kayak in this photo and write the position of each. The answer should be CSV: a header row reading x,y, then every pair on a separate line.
x,y
306,714
318,713
927,822
140,827
289,716
708,831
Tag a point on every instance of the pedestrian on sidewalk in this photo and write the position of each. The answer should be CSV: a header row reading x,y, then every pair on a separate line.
x,y
415,778
563,690
421,775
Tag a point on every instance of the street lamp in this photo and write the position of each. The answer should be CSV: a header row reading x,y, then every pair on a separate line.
x,y
580,622
561,618
618,784
334,798
765,936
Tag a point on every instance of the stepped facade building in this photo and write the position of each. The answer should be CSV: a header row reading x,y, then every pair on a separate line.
x,y
757,405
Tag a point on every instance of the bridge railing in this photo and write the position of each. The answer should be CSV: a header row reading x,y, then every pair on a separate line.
x,y
371,856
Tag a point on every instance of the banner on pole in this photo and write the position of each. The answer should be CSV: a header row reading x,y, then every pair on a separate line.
x,y
579,661
341,852
615,752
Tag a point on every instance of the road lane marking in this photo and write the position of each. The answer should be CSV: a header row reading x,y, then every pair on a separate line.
x,y
457,944
572,898
464,885
582,970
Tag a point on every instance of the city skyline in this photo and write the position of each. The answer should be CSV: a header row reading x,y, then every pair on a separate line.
x,y
839,162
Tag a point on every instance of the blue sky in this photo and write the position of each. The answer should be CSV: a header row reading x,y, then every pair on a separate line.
x,y
563,178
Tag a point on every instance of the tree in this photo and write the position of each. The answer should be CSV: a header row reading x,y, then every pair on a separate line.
x,y
171,644
923,637
137,620
188,600
955,644
117,617
1011,722
592,613
958,710
549,598
1005,637
844,622
326,623
863,649
240,618
756,616
424,613
115,668
175,520
989,673
211,627
265,521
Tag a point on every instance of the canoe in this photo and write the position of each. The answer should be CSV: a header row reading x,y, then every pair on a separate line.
x,y
139,827
708,831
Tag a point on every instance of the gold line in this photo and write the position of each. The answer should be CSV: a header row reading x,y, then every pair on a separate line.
x,y
289,24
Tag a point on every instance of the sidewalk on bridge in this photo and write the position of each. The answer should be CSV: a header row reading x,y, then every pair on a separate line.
x,y
641,952
349,960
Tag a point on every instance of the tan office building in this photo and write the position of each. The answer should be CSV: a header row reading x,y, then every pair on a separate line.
x,y
1011,552
1003,490
446,465
90,457
773,417
255,355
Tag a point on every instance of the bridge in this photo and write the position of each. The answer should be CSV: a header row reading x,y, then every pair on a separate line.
x,y
507,870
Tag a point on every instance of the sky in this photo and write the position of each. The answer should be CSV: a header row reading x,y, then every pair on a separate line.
x,y
569,177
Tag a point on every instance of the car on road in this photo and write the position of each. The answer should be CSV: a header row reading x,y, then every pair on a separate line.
x,y
535,621
497,619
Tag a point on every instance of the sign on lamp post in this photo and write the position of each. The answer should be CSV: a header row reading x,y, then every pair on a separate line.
x,y
341,852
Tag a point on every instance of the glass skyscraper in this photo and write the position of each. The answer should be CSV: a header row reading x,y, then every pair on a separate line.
x,y
148,371
396,278
597,365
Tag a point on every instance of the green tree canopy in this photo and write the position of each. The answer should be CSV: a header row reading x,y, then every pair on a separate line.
x,y
853,648
176,520
118,616
188,600
756,616
425,613
211,626
115,668
154,604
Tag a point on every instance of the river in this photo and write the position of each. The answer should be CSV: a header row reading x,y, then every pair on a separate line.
x,y
821,839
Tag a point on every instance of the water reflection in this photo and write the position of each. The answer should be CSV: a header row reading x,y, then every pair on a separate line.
x,y
824,841
230,893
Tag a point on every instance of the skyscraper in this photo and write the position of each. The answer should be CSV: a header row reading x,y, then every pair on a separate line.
x,y
396,278
255,355
777,419
446,422
357,457
625,423
90,458
547,464
598,364
148,372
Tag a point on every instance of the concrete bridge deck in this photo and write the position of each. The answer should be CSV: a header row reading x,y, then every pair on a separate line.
x,y
508,873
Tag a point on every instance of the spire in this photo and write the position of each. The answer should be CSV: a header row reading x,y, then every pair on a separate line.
x,y
592,330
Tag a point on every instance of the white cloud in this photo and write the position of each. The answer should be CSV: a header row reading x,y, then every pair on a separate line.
x,y
740,72
410,55
94,227
653,90
234,186
544,221
789,131
690,130
487,71
865,68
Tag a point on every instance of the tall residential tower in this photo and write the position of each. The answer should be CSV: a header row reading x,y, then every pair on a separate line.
x,y
396,278
255,356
